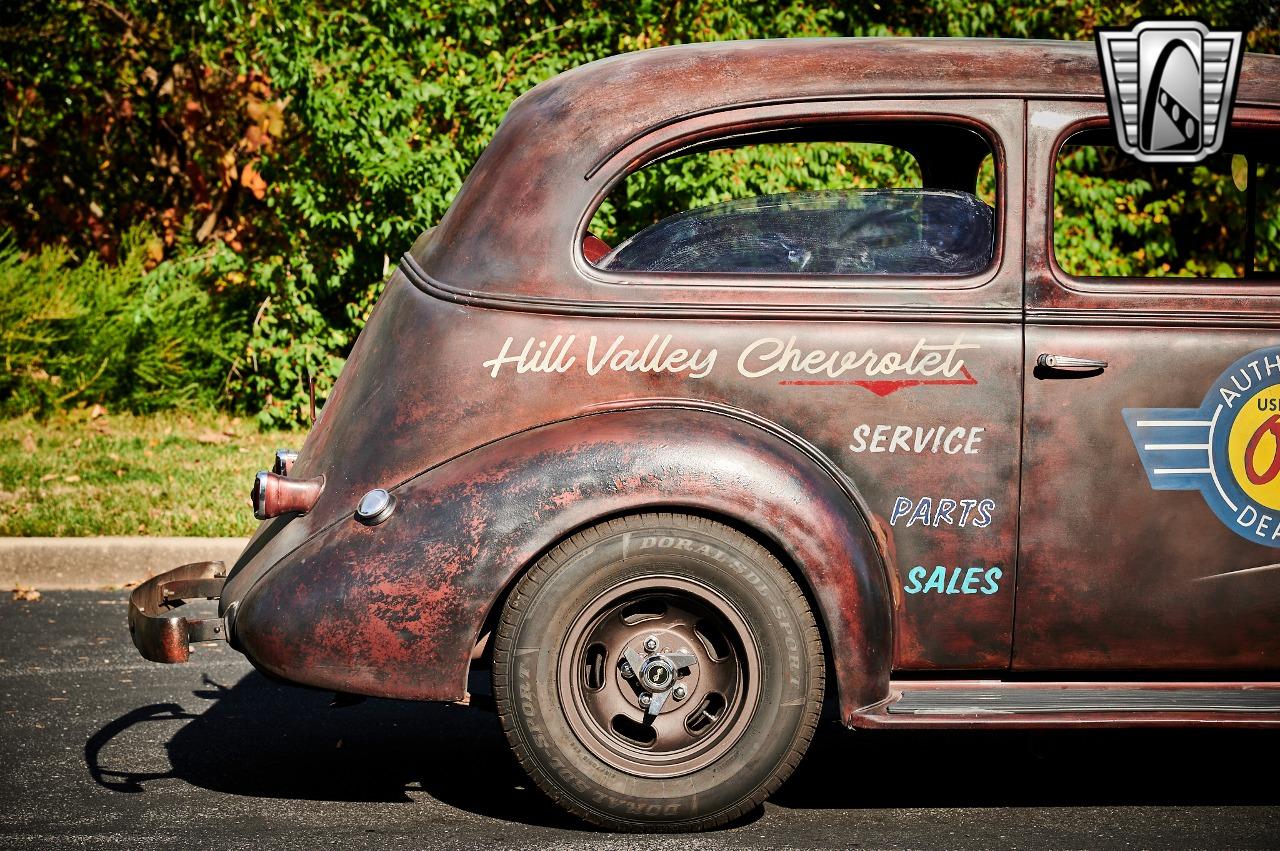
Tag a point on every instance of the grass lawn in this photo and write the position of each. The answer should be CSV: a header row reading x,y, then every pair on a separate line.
x,y
89,473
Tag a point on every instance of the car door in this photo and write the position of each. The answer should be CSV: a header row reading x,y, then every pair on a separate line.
x,y
1150,518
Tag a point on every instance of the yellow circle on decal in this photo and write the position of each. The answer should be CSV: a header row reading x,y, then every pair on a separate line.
x,y
1253,445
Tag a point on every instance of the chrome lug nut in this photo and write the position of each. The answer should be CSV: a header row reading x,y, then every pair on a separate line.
x,y
679,692
651,643
645,698
625,669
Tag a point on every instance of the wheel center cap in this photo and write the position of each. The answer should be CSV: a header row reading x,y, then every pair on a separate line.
x,y
657,674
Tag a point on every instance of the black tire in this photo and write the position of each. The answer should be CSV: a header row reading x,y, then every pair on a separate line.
x,y
754,682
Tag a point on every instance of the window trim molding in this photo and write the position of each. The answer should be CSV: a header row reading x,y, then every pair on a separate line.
x,y
668,139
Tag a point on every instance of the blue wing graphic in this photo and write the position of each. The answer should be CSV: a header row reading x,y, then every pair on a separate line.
x,y
1173,444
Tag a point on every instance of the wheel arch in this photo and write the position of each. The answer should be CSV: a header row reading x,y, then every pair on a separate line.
x,y
851,696
395,609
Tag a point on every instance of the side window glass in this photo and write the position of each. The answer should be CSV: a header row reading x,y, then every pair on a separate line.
x,y
1115,216
879,200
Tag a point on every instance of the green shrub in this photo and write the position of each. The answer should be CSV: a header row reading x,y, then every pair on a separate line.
x,y
112,333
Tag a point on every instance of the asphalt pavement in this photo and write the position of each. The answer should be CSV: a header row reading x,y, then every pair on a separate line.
x,y
101,749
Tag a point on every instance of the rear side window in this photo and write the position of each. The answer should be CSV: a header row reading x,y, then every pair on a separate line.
x,y
831,232
1115,216
877,200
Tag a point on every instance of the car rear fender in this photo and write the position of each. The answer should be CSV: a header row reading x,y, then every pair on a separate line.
x,y
395,609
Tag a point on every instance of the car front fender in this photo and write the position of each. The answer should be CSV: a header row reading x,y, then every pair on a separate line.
x,y
394,609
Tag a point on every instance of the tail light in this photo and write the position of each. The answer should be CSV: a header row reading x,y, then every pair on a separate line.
x,y
274,495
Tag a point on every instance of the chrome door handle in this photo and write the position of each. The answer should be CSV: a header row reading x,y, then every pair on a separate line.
x,y
1070,363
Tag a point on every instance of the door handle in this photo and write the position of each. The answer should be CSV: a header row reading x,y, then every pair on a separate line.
x,y
1070,364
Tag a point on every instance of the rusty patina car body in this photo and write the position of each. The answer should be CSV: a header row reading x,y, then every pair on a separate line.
x,y
509,392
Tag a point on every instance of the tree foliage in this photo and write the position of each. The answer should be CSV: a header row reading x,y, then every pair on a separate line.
x,y
291,149
682,183
1117,216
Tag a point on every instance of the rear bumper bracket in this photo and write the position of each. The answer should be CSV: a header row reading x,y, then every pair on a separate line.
x,y
158,633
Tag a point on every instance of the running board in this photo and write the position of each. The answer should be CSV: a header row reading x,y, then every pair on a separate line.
x,y
958,703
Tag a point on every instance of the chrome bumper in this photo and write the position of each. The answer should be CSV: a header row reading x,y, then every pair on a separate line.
x,y
162,636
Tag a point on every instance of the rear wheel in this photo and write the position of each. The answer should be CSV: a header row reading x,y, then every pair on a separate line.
x,y
658,672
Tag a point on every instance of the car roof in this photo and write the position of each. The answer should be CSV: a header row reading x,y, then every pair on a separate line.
x,y
912,66
506,230
633,91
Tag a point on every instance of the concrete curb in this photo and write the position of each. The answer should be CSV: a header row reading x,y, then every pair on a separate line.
x,y
59,563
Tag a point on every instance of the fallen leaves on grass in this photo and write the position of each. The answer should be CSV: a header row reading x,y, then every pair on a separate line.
x,y
212,437
24,594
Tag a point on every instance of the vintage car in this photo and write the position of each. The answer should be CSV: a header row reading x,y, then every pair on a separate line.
x,y
879,448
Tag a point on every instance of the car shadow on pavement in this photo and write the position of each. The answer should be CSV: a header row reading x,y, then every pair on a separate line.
x,y
268,740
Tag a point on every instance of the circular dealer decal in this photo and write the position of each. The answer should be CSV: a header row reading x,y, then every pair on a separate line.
x,y
1228,448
